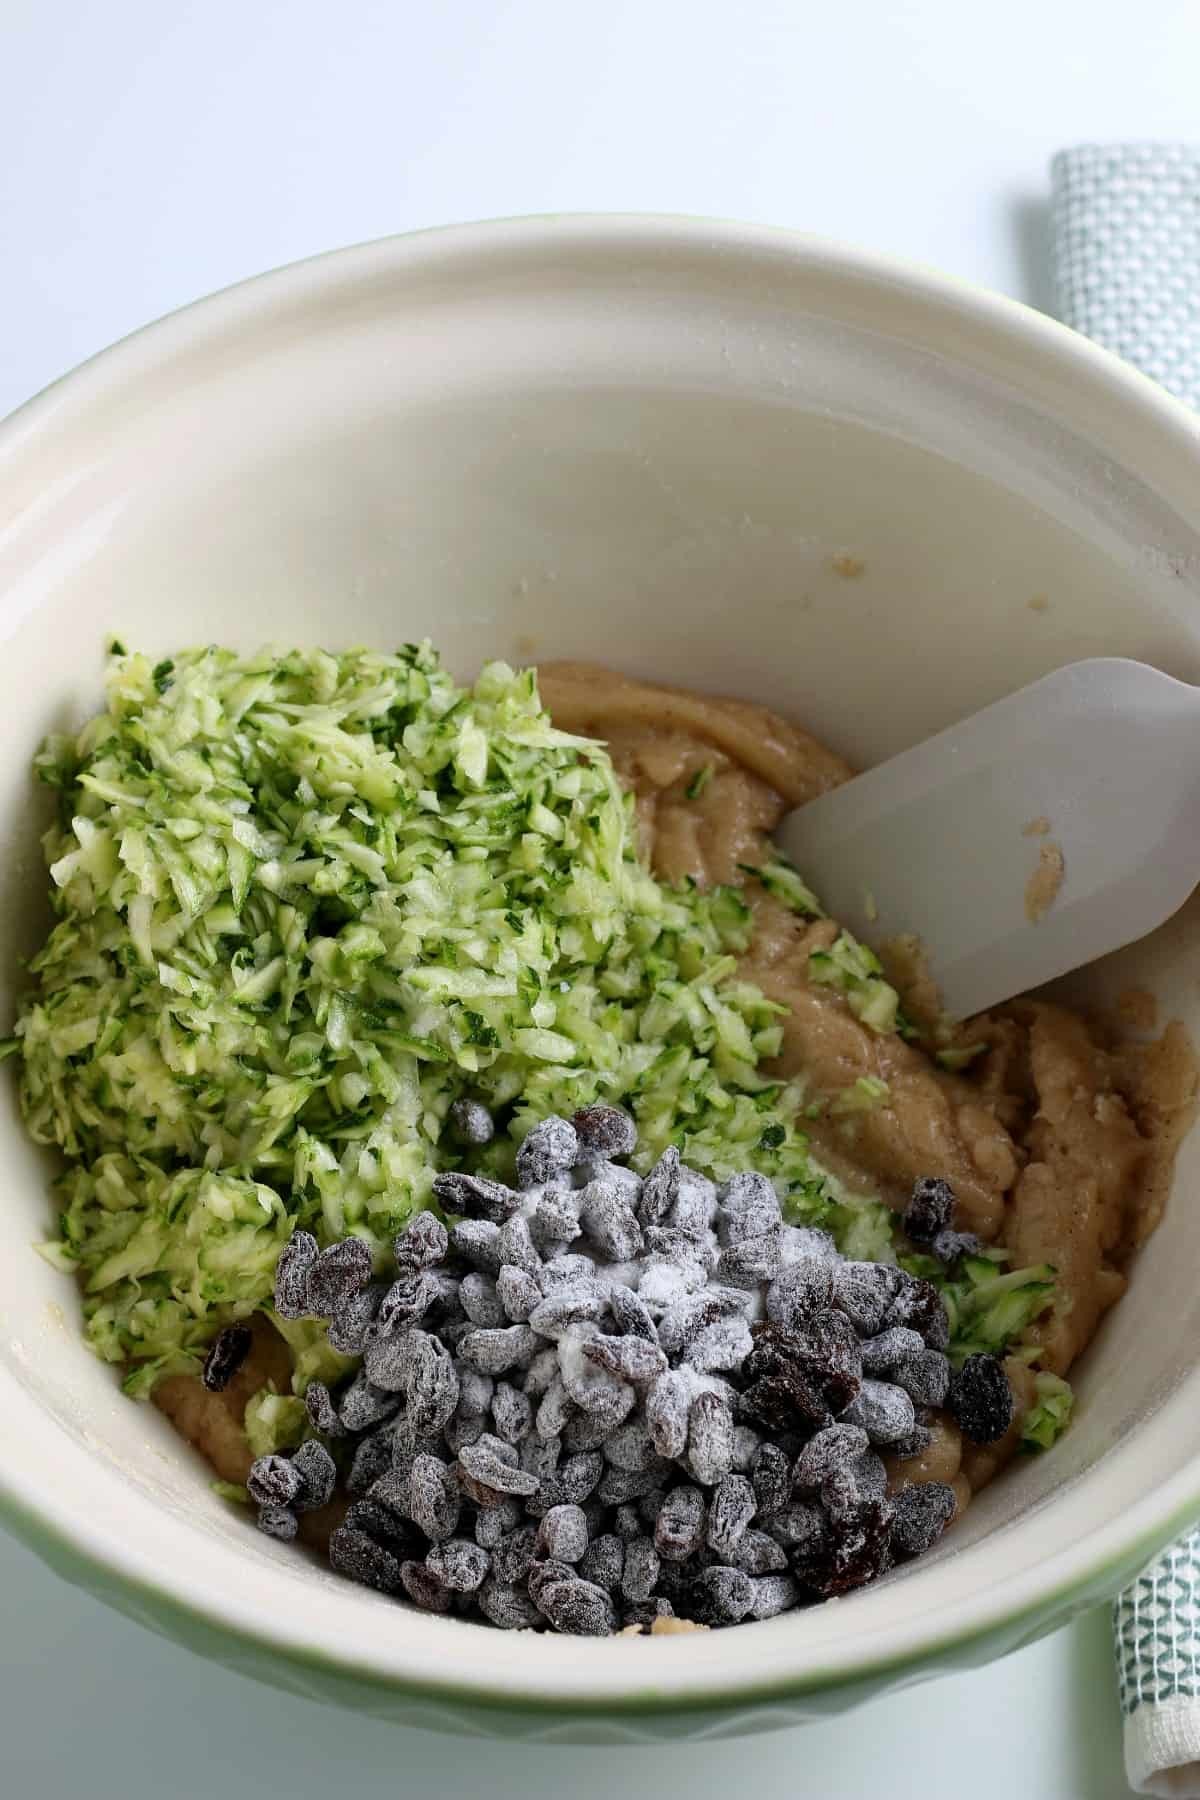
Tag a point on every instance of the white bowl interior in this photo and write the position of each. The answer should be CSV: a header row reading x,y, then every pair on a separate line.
x,y
642,444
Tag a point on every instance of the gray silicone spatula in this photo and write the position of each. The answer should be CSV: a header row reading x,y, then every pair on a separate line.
x,y
1097,764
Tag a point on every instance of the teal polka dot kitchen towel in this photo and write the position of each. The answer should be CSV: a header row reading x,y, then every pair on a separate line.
x,y
1126,246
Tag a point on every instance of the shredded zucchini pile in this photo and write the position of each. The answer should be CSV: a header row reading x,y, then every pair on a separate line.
x,y
306,901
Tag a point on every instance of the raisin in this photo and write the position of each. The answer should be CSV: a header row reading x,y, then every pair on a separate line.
x,y
479,1297
749,1206
864,1292
516,1246
630,1358
318,1476
570,1484
592,1430
679,1528
641,1570
859,1550
553,1222
385,1369
626,1524
869,1474
274,1481
423,1588
930,1209
758,1554
385,1527
925,1377
710,1438
434,1500
606,1131
353,1322
515,1554
551,1146
631,1447
337,1275
730,1511
423,1242
371,1457
555,1411
577,1607
477,1241
296,1262
228,1352
476,1197
512,1413
458,1564
495,1352
630,1314
752,1259
720,1596
487,1477
801,1377
686,1318
831,1449
405,1302
494,1523
804,1532
773,1594
918,1305
432,1385
540,1455
802,1288
507,1607
660,1189
475,1394
667,1413
884,1411
920,1514
618,1486
574,1304
951,1246
322,1413
353,1554
884,1354
609,1221
604,1560
471,1123
771,1478
981,1399
566,1268
562,1534
278,1522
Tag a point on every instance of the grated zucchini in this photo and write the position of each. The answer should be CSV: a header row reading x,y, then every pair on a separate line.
x,y
306,901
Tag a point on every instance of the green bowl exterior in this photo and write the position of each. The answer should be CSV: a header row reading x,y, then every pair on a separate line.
x,y
643,1719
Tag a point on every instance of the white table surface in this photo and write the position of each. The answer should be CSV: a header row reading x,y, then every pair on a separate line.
x,y
153,150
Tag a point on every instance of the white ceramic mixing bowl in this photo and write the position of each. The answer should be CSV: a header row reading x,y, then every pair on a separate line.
x,y
645,441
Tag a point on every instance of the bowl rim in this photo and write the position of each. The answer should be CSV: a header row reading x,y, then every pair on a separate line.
x,y
1043,1595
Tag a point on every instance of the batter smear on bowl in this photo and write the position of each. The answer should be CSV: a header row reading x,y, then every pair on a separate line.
x,y
528,1193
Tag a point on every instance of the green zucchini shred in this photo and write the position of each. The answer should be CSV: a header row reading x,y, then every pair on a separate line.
x,y
1049,1416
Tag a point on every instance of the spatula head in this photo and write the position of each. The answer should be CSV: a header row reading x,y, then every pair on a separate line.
x,y
1035,836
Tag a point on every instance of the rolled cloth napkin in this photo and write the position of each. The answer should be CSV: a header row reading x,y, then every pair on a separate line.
x,y
1126,247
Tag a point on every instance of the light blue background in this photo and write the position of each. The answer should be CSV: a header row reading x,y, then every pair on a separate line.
x,y
153,150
